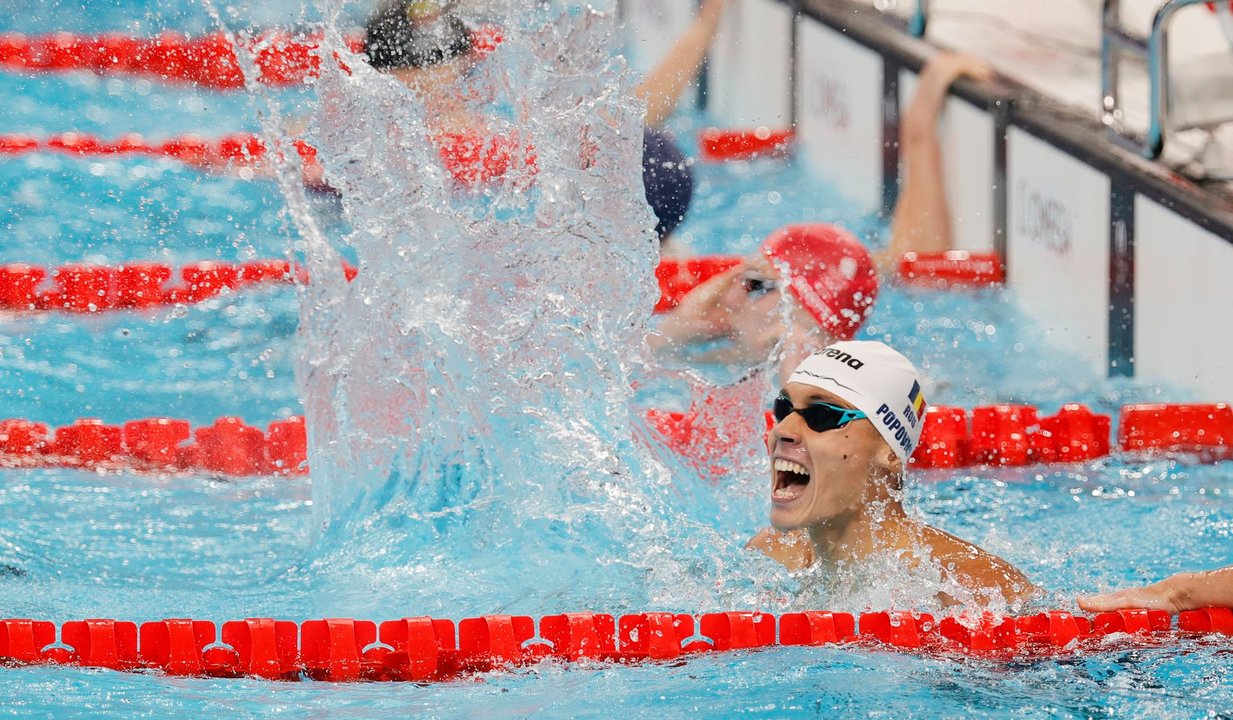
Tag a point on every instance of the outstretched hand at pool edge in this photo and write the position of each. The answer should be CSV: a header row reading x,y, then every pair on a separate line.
x,y
1175,594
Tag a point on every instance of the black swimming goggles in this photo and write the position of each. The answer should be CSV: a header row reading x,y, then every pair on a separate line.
x,y
757,285
819,416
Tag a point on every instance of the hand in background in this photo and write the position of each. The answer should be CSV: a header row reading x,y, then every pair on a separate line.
x,y
1151,597
1184,591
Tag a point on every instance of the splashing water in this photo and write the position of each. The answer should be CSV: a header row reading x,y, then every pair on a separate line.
x,y
469,394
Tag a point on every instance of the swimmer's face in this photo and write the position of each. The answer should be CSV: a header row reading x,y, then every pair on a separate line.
x,y
823,477
433,80
756,321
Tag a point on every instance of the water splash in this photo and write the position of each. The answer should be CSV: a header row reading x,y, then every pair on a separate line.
x,y
469,395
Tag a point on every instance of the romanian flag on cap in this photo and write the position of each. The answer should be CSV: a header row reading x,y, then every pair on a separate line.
x,y
917,399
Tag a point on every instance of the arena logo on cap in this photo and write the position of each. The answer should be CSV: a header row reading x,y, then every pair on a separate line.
x,y
843,357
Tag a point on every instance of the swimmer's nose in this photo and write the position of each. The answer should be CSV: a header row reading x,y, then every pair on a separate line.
x,y
787,431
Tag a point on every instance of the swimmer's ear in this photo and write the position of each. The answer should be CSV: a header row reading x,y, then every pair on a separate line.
x,y
894,463
888,461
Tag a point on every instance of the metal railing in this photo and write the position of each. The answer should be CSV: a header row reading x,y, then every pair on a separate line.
x,y
1114,42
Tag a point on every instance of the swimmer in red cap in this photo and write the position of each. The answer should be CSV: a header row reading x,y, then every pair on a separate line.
x,y
828,273
847,420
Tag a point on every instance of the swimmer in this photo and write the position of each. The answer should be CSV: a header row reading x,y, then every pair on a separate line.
x,y
428,49
741,306
1174,594
826,270
847,421
921,220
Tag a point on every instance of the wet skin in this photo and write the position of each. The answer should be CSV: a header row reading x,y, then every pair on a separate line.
x,y
835,500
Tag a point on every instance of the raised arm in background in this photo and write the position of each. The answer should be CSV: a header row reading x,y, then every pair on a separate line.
x,y
921,222
661,89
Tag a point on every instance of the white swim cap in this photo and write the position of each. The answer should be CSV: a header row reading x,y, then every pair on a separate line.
x,y
878,381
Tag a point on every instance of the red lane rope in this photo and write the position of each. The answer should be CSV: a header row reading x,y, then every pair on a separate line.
x,y
228,446
423,649
282,58
1019,435
100,288
718,145
470,159
236,148
995,435
951,269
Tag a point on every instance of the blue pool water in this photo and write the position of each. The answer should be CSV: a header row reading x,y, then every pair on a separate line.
x,y
145,547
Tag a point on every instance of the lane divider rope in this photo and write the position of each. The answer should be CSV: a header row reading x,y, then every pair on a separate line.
x,y
282,58
228,446
988,436
99,288
192,149
424,649
469,158
722,145
138,285
1013,435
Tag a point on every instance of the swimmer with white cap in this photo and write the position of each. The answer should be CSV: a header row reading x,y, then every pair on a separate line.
x,y
828,273
847,420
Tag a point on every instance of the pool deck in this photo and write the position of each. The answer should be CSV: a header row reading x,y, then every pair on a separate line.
x,y
1053,48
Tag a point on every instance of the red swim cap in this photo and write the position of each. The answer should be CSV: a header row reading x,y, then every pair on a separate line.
x,y
830,273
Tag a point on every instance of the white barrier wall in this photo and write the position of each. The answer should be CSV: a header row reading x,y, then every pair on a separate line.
x,y
839,111
1058,244
748,82
654,26
1183,297
966,137
1058,208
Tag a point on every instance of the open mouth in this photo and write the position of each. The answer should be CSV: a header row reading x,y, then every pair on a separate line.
x,y
791,479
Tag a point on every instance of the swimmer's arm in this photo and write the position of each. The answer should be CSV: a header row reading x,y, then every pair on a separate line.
x,y
1184,591
661,89
979,570
921,222
792,549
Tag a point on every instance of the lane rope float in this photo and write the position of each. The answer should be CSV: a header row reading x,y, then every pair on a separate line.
x,y
282,58
426,649
470,159
228,446
138,285
722,145
988,436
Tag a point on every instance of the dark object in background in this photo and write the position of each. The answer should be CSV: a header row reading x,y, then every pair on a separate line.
x,y
393,39
669,181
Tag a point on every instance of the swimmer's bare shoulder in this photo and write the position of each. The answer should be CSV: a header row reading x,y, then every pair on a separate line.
x,y
792,549
977,569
